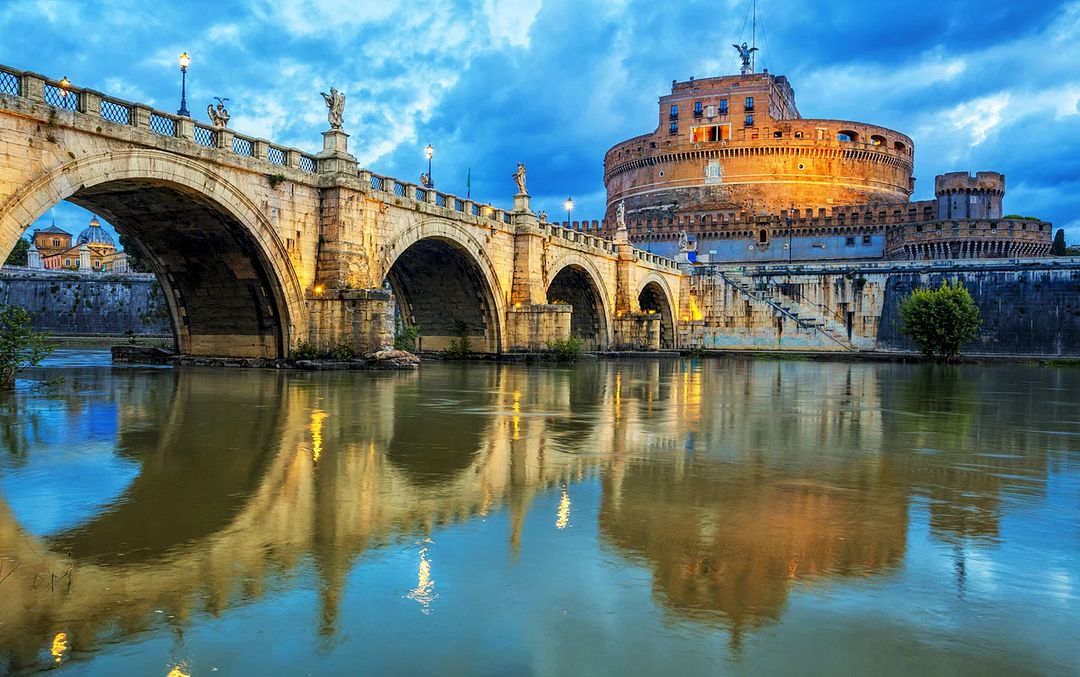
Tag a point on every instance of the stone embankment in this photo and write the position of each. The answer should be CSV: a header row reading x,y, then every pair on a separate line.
x,y
72,303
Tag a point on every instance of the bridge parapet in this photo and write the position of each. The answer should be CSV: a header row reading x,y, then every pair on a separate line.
x,y
63,95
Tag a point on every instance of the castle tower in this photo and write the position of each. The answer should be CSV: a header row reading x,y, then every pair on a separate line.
x,y
962,196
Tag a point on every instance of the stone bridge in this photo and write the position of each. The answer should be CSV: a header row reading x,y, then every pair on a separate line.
x,y
260,247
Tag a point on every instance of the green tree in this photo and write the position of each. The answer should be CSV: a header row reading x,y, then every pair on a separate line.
x,y
18,257
940,321
20,345
135,257
1059,248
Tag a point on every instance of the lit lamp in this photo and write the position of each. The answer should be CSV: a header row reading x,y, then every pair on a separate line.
x,y
569,208
64,84
184,61
429,152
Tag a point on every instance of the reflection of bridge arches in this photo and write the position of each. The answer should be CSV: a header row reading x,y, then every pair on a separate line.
x,y
442,277
655,296
185,456
577,282
229,283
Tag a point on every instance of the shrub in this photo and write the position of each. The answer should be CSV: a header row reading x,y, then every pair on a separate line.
x,y
20,345
567,349
305,351
405,336
940,321
342,351
459,345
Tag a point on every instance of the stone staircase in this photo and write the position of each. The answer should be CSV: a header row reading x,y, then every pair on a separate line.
x,y
804,313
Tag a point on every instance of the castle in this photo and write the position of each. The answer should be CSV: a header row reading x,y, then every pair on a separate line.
x,y
733,172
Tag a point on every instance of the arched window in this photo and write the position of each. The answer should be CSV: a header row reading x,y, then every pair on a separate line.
x,y
877,140
763,236
899,146
847,135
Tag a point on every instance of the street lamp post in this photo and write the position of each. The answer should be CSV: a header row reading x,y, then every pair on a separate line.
x,y
184,61
429,152
569,208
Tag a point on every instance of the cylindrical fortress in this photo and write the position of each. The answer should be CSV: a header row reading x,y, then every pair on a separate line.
x,y
738,144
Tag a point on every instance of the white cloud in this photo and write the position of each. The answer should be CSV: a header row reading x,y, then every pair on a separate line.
x,y
979,117
511,20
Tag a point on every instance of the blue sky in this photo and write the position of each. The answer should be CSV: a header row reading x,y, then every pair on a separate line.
x,y
979,84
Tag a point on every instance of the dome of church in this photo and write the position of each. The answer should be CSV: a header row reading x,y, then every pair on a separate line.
x,y
95,234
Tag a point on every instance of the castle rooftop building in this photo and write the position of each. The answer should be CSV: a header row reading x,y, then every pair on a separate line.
x,y
735,170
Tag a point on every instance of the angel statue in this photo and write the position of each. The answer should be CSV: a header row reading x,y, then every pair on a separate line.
x,y
620,215
335,107
684,241
220,115
519,178
543,215
746,54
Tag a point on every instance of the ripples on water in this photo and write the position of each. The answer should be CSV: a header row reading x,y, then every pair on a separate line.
x,y
638,517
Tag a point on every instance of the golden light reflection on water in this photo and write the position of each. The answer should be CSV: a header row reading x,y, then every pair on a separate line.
x,y
563,516
178,671
517,414
424,592
59,647
316,428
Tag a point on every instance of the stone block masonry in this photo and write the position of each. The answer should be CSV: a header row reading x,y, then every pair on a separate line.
x,y
1028,306
81,304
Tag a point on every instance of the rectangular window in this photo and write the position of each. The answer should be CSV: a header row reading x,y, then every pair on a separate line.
x,y
749,121
674,111
777,135
749,103
712,171
866,239
723,106
850,242
56,242
674,129
697,108
710,133
67,262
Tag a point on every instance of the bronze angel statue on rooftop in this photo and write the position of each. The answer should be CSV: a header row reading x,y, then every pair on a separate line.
x,y
335,107
747,55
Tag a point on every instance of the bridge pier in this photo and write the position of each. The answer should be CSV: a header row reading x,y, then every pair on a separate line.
x,y
637,331
362,319
533,327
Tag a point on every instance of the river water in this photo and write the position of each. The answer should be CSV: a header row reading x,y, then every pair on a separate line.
x,y
639,517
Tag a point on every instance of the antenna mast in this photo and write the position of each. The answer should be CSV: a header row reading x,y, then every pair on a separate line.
x,y
753,41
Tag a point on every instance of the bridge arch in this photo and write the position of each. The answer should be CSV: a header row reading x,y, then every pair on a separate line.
x,y
654,295
229,284
577,281
444,281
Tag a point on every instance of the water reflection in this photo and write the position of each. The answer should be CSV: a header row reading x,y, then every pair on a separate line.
x,y
735,485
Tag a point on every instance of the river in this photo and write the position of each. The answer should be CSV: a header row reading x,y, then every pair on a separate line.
x,y
637,517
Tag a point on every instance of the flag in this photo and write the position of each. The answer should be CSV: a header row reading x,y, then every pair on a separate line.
x,y
468,185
